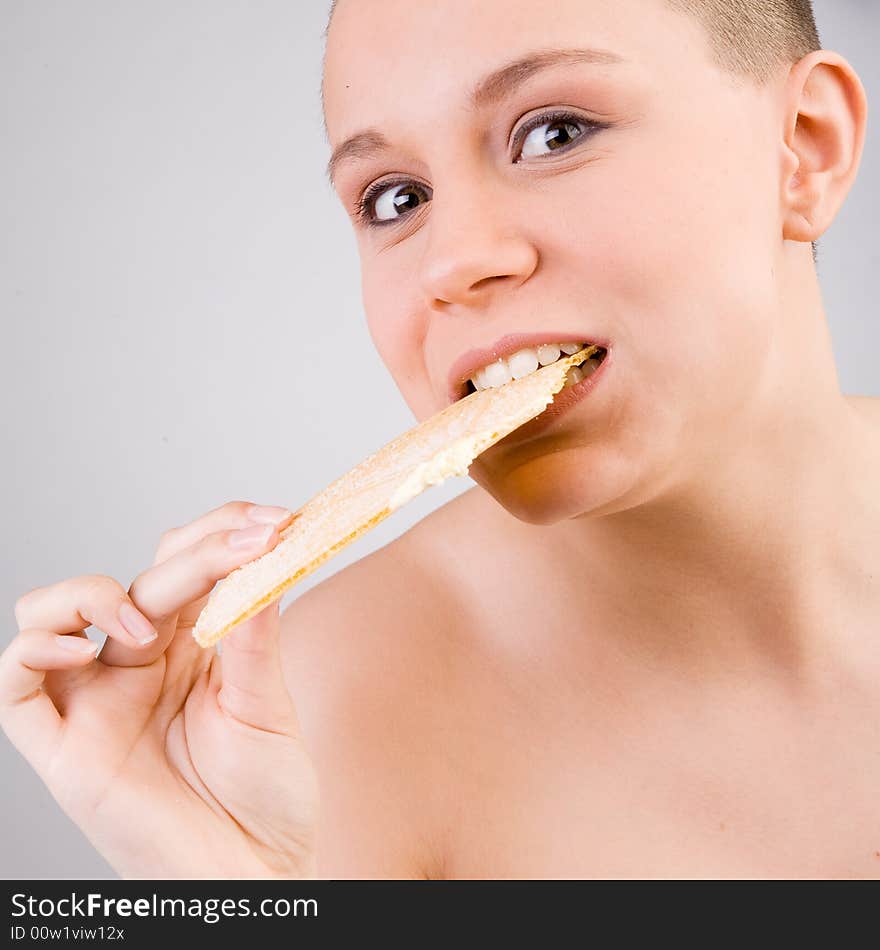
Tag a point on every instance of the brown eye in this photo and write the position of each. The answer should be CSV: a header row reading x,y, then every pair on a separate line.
x,y
396,201
550,137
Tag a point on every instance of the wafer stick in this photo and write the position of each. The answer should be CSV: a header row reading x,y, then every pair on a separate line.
x,y
439,448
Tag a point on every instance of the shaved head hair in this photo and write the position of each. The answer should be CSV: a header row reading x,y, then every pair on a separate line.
x,y
755,38
748,37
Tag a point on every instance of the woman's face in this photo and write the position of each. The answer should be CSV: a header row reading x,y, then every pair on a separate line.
x,y
632,202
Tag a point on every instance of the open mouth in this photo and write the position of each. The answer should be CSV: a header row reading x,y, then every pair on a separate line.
x,y
530,360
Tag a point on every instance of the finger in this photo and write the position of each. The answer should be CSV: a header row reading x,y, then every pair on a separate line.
x,y
157,590
78,602
251,686
27,714
234,514
165,589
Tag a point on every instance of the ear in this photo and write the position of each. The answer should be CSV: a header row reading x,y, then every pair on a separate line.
x,y
825,116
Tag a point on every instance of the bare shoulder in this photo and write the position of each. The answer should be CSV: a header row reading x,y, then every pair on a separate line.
x,y
392,602
868,407
369,655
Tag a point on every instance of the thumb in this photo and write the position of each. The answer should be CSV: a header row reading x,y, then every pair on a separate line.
x,y
253,690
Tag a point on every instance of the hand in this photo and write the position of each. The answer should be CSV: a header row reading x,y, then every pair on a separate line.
x,y
176,762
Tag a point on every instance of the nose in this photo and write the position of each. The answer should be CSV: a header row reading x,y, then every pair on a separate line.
x,y
474,251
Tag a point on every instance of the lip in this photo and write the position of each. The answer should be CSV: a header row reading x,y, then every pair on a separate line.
x,y
468,363
564,400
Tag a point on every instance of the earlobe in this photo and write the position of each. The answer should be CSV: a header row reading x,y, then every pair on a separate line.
x,y
825,116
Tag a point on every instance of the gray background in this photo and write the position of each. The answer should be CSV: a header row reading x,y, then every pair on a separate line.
x,y
175,277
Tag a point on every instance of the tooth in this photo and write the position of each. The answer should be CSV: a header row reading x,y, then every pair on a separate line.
x,y
496,374
574,375
522,363
526,361
548,353
479,380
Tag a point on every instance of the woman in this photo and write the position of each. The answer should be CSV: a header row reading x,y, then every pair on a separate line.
x,y
646,644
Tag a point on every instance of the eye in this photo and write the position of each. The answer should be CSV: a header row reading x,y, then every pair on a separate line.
x,y
385,202
546,134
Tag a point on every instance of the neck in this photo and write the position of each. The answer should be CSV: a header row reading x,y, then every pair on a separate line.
x,y
769,546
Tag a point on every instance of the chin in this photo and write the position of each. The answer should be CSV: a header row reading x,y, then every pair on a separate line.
x,y
555,487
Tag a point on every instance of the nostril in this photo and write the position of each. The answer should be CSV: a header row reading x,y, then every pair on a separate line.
x,y
489,281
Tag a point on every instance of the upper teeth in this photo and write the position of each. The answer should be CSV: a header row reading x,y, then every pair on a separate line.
x,y
521,363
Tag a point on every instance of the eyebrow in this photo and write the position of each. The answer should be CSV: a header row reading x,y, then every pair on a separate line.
x,y
488,91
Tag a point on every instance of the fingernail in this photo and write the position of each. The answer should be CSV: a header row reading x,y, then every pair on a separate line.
x,y
253,537
136,624
76,644
268,514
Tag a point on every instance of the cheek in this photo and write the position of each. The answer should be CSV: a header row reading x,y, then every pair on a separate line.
x,y
397,330
671,237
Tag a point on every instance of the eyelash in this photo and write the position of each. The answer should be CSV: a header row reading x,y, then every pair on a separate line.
x,y
365,202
